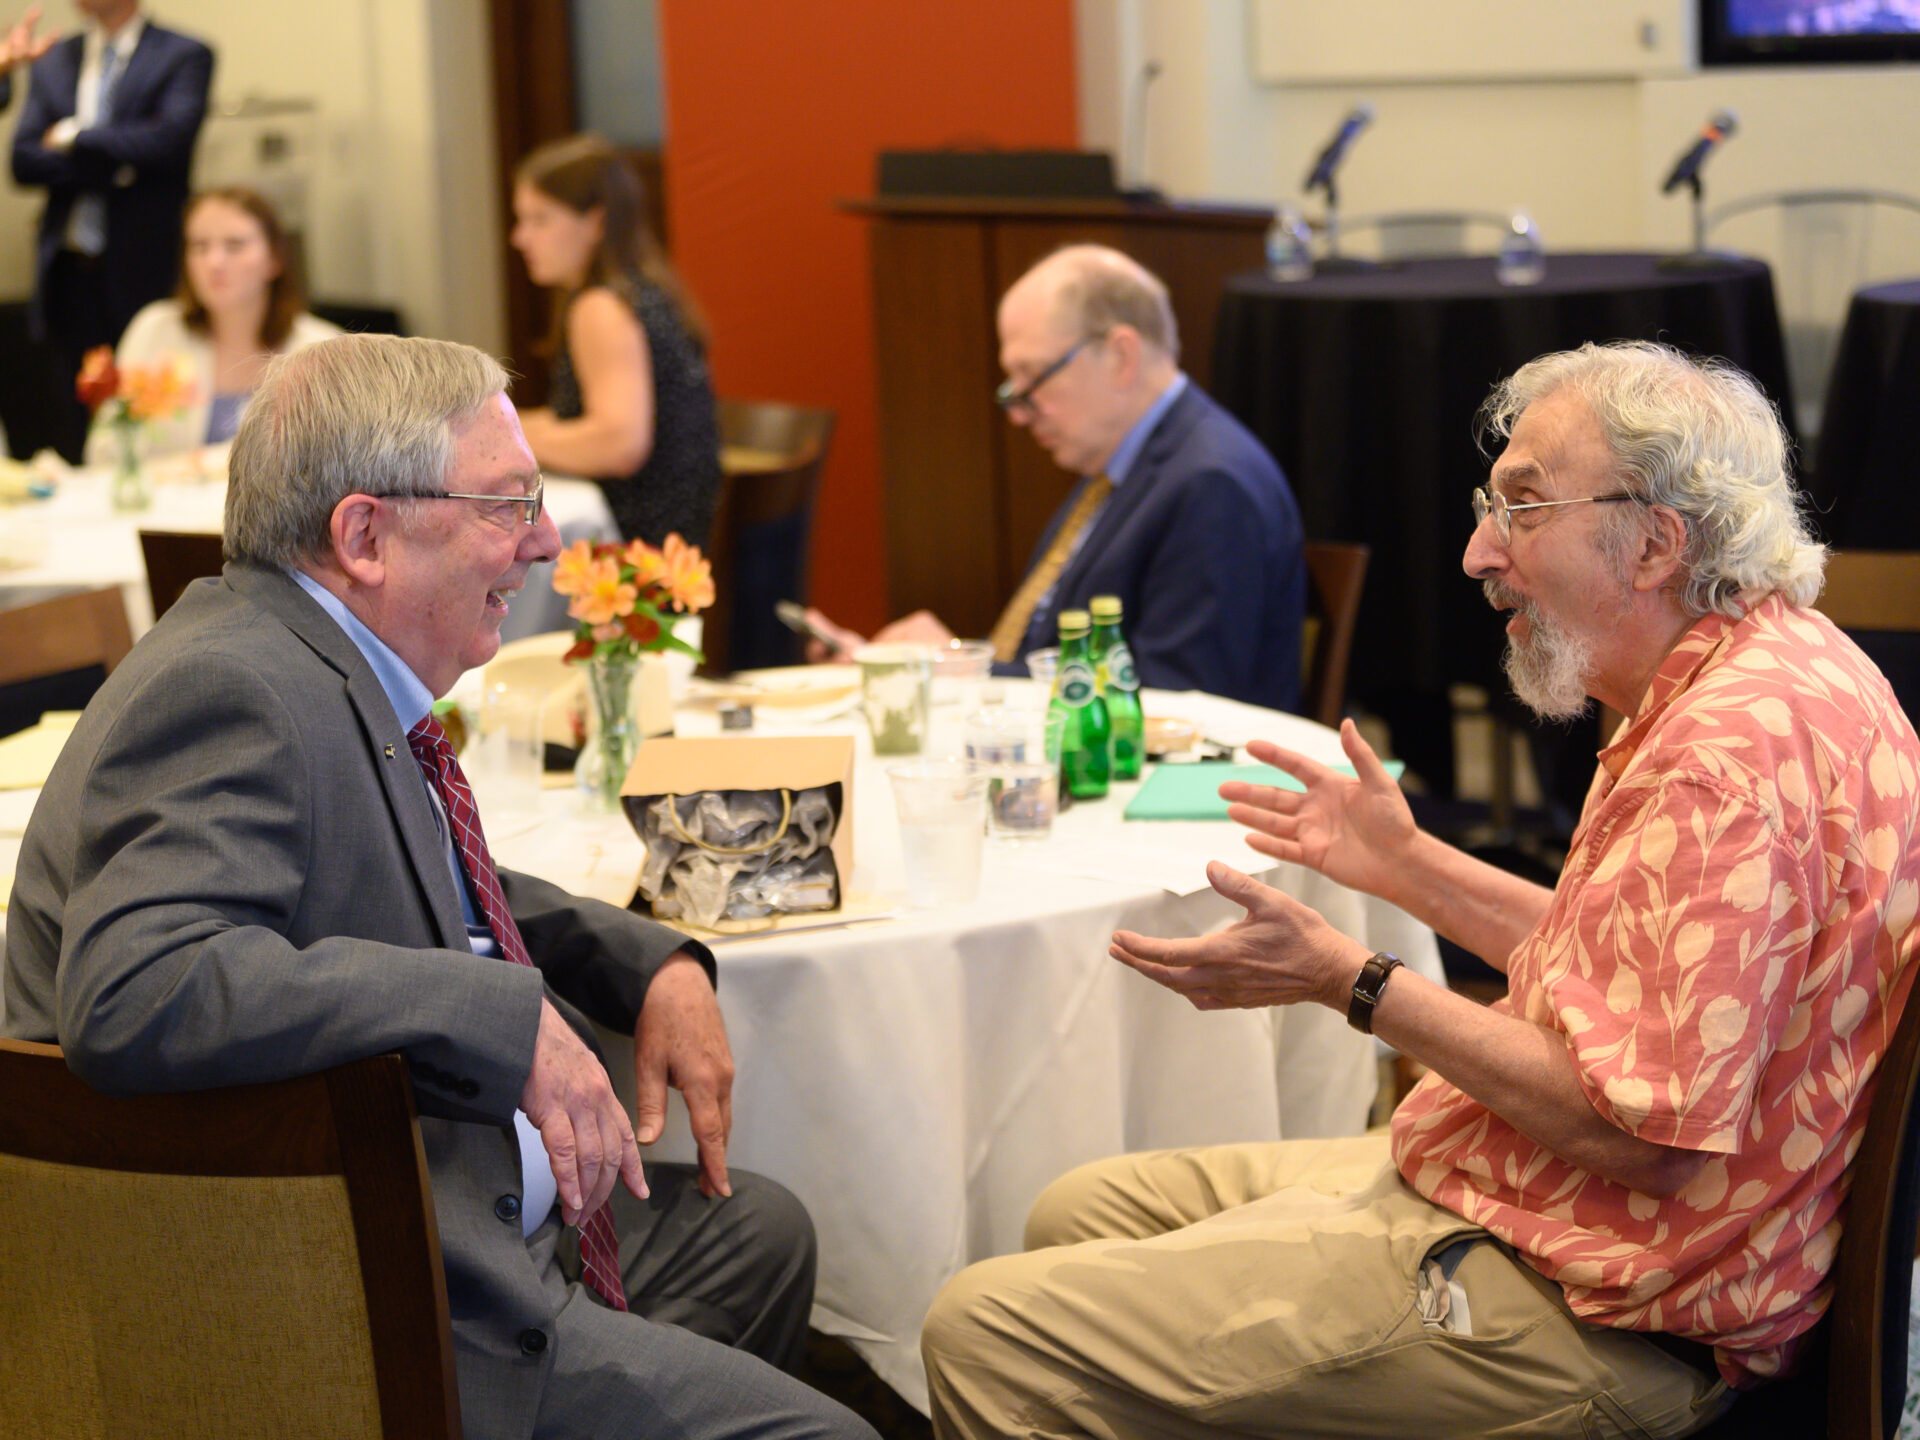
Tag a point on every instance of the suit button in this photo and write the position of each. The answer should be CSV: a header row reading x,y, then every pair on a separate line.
x,y
532,1342
469,1089
507,1207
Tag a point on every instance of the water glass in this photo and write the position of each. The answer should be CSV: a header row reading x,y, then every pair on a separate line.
x,y
1020,752
505,757
960,671
1042,663
896,685
940,804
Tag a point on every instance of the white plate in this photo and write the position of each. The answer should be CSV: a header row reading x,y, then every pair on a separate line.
x,y
785,685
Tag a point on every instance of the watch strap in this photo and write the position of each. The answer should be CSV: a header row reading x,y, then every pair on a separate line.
x,y
1368,989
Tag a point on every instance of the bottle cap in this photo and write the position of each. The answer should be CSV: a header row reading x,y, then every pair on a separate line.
x,y
1073,622
1105,607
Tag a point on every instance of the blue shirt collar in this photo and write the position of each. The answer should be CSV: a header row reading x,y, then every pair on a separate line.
x,y
1135,439
406,691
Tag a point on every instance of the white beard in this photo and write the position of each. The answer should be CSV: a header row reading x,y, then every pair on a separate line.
x,y
1550,668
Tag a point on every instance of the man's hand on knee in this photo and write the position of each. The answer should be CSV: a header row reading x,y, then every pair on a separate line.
x,y
571,1103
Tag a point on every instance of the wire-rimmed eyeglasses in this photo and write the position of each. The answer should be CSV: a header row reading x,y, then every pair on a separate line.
x,y
1491,502
530,504
1012,395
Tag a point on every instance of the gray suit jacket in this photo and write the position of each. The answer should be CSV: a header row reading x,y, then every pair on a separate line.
x,y
234,875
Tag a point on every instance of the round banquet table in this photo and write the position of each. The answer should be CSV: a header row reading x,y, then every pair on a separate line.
x,y
917,1079
1866,482
1365,385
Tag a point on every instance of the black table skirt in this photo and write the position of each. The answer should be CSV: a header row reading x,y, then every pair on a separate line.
x,y
1365,387
1866,486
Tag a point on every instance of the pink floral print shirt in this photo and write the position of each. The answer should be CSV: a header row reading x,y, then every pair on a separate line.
x,y
1726,954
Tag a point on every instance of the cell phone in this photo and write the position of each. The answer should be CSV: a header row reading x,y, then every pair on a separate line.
x,y
793,615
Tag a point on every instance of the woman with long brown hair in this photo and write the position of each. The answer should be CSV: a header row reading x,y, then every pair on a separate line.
x,y
239,305
632,404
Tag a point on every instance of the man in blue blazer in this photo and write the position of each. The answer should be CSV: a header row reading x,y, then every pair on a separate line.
x,y
108,129
1180,512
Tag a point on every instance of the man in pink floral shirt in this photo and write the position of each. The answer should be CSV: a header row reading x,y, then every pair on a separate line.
x,y
1618,1193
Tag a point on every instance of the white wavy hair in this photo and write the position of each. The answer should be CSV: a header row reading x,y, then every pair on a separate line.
x,y
1700,438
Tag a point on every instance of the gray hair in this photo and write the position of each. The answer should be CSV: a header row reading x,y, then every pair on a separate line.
x,y
367,413
1700,438
1100,288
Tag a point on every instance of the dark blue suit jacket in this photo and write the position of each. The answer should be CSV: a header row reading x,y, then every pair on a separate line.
x,y
1201,542
139,160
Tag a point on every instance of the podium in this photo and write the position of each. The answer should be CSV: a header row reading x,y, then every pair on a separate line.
x,y
967,492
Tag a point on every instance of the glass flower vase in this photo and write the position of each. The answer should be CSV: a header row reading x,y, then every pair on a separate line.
x,y
613,732
129,487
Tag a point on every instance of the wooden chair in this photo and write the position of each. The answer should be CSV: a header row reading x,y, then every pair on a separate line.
x,y
139,1233
175,559
1875,595
69,632
761,544
1336,574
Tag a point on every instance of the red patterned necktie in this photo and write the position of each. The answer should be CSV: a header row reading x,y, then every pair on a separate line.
x,y
599,1246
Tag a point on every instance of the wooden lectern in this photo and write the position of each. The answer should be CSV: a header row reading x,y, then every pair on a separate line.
x,y
967,493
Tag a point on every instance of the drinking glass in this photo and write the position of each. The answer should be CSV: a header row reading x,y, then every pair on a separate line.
x,y
940,803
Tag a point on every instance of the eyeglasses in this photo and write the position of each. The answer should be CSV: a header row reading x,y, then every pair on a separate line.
x,y
1012,395
530,504
1491,502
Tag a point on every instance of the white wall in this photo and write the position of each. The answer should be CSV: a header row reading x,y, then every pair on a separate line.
x,y
1585,157
402,206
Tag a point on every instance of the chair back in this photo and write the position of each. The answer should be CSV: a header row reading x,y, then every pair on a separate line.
x,y
761,543
175,559
1336,574
68,632
1873,1270
1875,595
142,1231
1823,245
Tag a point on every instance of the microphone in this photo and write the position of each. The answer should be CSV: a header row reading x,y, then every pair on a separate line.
x,y
1321,176
1686,170
1137,133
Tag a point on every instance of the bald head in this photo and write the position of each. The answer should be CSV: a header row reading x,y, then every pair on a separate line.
x,y
1091,289
1088,344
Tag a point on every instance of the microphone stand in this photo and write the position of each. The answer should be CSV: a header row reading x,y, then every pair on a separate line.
x,y
1700,258
1333,262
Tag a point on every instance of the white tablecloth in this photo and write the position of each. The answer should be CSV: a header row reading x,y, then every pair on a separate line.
x,y
918,1080
83,541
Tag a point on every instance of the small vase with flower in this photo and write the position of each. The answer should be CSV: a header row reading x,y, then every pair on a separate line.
x,y
626,600
125,401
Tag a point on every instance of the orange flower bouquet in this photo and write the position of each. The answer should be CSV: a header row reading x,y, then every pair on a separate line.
x,y
126,400
625,599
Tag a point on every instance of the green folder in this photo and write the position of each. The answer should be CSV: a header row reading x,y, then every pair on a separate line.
x,y
1192,792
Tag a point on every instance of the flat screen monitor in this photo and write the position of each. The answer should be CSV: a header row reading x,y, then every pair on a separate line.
x,y
1808,32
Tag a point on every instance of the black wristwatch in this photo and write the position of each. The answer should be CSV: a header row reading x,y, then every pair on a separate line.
x,y
1367,990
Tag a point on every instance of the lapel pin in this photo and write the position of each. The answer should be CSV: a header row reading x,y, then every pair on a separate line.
x,y
389,752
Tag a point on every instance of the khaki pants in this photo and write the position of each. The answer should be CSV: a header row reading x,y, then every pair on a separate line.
x,y
1291,1289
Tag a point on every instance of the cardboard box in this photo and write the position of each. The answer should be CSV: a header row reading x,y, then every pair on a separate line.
x,y
687,765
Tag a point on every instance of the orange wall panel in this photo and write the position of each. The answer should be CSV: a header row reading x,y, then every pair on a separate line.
x,y
775,110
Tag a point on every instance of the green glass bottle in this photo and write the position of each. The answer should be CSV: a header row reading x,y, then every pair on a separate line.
x,y
1119,685
1085,758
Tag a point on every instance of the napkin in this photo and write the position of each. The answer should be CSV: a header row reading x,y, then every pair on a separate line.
x,y
26,759
1192,792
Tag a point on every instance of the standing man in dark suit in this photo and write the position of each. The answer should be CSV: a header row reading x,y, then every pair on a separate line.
x,y
1180,512
108,129
257,858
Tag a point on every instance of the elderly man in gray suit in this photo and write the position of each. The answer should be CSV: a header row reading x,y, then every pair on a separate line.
x,y
238,872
